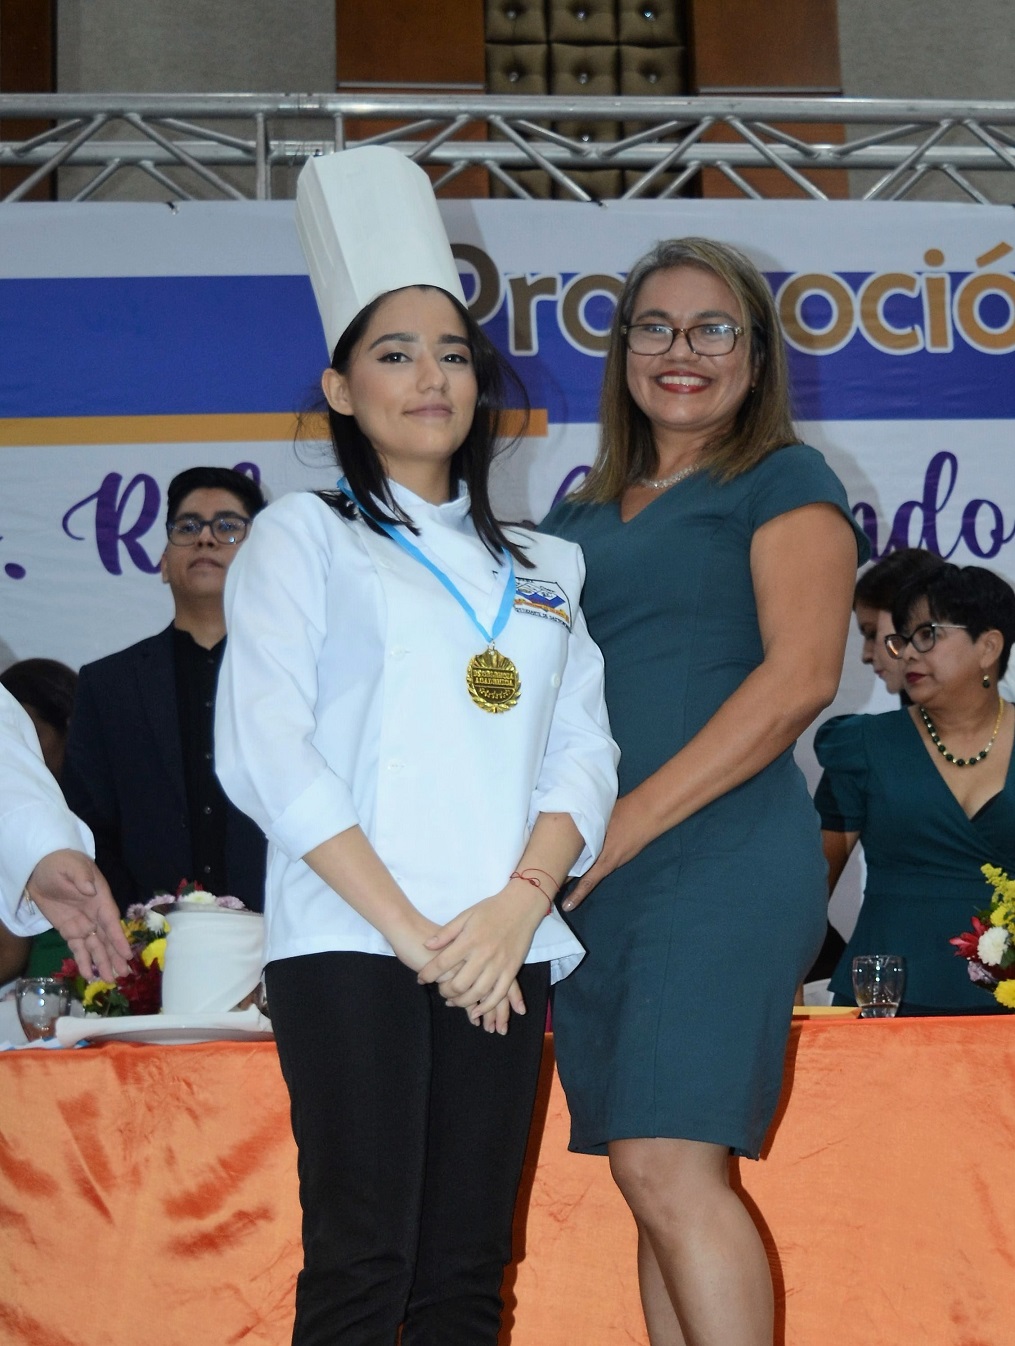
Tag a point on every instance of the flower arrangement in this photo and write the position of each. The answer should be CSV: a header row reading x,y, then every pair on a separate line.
x,y
990,945
193,895
138,991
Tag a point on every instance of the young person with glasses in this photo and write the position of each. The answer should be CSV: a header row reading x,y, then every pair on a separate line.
x,y
927,790
140,762
721,557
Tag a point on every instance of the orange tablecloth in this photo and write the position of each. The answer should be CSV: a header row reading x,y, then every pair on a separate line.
x,y
148,1194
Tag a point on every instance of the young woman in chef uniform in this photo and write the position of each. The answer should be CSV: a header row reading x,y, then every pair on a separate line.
x,y
412,709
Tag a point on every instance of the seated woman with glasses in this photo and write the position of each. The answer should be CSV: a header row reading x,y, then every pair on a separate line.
x,y
927,789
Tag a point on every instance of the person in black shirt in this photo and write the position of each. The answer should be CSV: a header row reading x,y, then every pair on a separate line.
x,y
140,766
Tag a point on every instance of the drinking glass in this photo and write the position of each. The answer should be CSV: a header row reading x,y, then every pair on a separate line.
x,y
878,982
40,1002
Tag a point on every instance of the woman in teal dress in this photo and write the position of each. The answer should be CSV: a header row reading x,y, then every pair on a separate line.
x,y
720,562
928,819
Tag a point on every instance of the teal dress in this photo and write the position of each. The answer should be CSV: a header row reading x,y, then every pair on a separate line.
x,y
675,1024
923,854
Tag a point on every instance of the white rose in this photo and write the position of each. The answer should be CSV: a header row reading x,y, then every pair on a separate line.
x,y
992,946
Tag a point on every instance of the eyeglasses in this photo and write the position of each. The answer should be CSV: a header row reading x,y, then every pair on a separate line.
x,y
656,338
228,529
922,638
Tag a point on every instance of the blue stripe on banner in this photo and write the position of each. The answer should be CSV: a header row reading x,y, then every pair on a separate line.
x,y
857,382
148,346
252,344
862,382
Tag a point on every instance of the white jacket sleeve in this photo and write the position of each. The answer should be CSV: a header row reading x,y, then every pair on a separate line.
x,y
34,819
265,716
579,772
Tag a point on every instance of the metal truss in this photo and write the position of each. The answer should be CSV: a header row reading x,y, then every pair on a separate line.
x,y
244,146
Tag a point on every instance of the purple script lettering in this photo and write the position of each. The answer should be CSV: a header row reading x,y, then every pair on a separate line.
x,y
573,479
938,486
110,509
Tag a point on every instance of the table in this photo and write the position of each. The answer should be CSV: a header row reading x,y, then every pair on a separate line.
x,y
148,1194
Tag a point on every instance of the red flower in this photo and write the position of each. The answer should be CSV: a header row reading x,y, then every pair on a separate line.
x,y
187,886
142,987
967,944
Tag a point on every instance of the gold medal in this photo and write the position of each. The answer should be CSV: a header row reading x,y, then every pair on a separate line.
x,y
493,681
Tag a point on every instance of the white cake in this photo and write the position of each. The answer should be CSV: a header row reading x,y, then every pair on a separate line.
x,y
213,958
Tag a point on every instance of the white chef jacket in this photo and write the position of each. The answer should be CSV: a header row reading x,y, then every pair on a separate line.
x,y
34,820
342,700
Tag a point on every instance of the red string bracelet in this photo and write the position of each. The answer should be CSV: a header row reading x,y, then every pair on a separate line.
x,y
534,869
536,884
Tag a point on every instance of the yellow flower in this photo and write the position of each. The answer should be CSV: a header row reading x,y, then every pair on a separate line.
x,y
96,988
1004,994
155,952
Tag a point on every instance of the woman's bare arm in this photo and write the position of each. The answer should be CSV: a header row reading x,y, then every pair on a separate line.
x,y
803,566
838,847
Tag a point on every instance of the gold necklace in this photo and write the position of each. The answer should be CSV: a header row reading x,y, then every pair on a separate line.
x,y
950,757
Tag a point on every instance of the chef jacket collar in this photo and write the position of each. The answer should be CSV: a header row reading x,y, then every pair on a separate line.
x,y
448,535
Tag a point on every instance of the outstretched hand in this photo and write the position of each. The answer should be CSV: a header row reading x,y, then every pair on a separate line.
x,y
627,834
71,893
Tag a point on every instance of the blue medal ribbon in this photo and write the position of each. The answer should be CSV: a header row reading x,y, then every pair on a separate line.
x,y
397,536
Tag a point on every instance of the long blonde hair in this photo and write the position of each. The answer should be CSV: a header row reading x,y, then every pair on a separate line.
x,y
763,422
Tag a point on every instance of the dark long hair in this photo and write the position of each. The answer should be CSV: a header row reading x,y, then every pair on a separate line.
x,y
470,464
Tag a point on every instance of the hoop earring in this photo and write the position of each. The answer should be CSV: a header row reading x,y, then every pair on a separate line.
x,y
986,679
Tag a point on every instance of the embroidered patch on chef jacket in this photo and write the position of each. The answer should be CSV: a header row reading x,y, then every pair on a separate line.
x,y
542,598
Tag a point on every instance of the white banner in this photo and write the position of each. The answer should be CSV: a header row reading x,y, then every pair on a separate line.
x,y
136,340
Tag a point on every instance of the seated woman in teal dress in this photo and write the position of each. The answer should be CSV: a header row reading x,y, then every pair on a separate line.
x,y
927,789
720,560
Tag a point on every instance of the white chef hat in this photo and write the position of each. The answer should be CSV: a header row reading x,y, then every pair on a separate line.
x,y
368,223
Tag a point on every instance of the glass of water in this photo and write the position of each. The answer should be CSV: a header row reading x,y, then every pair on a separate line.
x,y
40,1002
878,982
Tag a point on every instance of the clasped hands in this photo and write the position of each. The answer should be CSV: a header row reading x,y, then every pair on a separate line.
x,y
477,954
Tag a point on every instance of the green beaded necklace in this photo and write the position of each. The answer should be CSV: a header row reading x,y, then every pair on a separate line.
x,y
950,757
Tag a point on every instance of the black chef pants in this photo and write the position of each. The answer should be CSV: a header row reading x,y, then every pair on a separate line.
x,y
411,1126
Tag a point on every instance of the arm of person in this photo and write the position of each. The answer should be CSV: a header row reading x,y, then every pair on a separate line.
x,y
266,712
803,565
45,876
837,848
480,951
350,865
